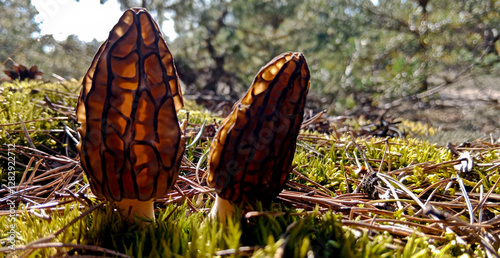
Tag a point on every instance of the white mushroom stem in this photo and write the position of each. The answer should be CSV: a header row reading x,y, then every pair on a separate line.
x,y
222,209
132,208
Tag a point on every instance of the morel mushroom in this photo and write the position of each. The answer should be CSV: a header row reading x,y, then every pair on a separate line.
x,y
131,142
22,73
252,152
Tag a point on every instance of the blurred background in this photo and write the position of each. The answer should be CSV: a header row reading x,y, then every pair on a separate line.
x,y
434,61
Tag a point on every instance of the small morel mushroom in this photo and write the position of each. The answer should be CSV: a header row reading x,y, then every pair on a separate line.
x,y
22,73
252,152
131,142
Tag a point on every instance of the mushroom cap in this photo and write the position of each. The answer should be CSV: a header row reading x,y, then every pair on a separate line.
x,y
131,142
252,152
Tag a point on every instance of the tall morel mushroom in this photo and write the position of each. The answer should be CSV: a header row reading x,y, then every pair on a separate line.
x,y
131,142
252,152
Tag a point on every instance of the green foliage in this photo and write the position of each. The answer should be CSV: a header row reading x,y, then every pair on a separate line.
x,y
22,43
354,48
16,21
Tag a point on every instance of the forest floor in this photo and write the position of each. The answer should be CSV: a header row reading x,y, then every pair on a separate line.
x,y
350,194
463,111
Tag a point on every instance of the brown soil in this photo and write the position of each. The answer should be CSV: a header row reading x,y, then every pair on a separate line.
x,y
463,111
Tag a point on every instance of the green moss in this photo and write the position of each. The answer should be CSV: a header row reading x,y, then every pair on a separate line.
x,y
293,231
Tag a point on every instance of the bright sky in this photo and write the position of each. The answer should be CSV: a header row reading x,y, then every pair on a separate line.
x,y
87,19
